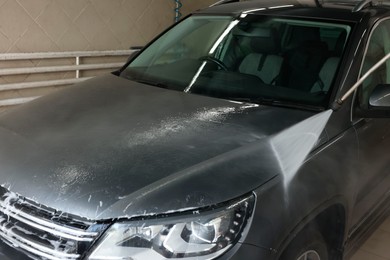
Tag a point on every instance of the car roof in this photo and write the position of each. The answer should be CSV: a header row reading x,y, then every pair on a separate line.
x,y
327,9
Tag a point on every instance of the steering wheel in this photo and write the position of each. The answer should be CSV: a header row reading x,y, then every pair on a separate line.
x,y
214,60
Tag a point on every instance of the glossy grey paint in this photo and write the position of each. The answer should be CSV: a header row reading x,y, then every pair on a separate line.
x,y
280,213
112,144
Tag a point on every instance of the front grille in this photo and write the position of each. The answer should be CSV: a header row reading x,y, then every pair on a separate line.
x,y
42,232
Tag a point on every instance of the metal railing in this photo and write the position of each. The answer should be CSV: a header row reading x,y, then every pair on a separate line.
x,y
77,67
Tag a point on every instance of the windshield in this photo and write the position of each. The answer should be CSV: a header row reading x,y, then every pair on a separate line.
x,y
253,58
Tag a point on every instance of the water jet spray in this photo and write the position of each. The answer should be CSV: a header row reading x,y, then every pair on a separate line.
x,y
292,146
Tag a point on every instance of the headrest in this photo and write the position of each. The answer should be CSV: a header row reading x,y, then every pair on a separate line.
x,y
300,34
264,40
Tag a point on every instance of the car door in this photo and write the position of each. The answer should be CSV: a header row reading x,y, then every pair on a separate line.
x,y
373,133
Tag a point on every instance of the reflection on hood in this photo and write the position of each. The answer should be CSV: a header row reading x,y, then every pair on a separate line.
x,y
109,141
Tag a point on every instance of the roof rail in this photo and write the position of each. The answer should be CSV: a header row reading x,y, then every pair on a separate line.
x,y
361,5
221,2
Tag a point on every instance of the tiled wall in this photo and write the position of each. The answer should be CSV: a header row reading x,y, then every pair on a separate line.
x,y
65,25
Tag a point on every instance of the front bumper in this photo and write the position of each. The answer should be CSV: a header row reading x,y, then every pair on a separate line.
x,y
239,252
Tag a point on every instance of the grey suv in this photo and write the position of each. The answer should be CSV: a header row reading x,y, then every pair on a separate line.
x,y
235,134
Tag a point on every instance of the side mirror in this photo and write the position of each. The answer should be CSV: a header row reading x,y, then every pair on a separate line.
x,y
136,50
380,96
338,103
378,103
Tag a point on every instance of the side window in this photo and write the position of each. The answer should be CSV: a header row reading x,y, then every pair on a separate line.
x,y
378,47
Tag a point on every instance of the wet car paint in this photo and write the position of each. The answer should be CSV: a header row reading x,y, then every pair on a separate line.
x,y
281,211
180,147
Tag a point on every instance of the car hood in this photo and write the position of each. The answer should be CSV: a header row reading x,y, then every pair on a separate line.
x,y
110,147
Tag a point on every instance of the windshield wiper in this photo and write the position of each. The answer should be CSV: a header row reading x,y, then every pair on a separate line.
x,y
150,83
275,102
256,100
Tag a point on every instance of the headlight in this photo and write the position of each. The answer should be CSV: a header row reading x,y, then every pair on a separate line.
x,y
200,235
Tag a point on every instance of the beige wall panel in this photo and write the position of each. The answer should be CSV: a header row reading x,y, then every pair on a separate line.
x,y
66,25
191,5
78,25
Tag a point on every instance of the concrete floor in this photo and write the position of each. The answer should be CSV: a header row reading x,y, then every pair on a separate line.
x,y
377,247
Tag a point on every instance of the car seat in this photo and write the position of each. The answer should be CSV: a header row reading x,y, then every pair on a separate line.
x,y
303,59
264,61
328,70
